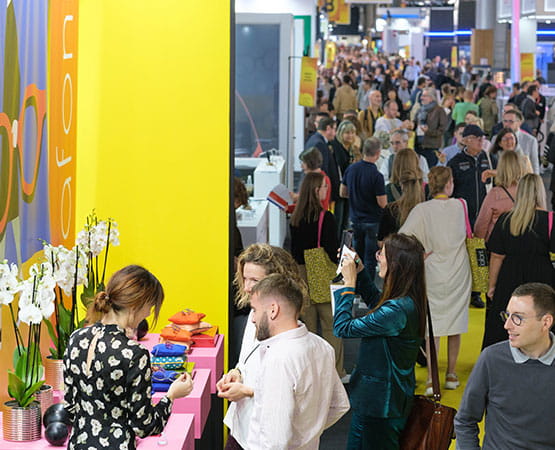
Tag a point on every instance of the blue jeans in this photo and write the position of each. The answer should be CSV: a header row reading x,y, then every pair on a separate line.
x,y
365,240
374,433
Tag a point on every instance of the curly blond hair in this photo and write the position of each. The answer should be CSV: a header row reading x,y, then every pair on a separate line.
x,y
273,260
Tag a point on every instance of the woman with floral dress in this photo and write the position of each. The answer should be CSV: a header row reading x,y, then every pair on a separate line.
x,y
107,374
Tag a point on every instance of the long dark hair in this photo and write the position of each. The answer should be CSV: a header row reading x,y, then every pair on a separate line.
x,y
309,205
405,276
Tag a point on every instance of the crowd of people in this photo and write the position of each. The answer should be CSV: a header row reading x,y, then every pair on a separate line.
x,y
409,160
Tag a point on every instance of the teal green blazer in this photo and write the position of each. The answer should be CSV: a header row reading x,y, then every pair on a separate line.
x,y
382,384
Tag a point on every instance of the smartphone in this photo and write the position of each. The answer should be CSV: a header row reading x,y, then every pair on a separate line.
x,y
346,239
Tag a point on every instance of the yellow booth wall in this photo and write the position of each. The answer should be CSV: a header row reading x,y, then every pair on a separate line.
x,y
153,142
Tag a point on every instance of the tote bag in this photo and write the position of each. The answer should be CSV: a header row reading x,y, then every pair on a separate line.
x,y
320,270
478,256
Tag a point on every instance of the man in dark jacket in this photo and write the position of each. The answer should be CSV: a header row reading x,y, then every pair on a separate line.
x,y
467,167
432,124
322,141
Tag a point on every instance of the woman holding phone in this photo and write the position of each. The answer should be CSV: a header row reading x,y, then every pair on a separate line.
x,y
382,386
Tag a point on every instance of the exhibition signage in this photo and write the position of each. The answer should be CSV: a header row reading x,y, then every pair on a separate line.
x,y
37,125
309,75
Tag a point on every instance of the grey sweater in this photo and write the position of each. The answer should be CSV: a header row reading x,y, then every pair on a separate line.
x,y
518,399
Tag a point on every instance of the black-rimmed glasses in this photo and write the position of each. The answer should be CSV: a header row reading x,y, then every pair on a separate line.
x,y
517,319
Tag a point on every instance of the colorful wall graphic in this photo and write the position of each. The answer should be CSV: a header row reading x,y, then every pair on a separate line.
x,y
37,125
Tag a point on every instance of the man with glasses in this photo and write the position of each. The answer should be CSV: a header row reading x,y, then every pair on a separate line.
x,y
399,141
512,381
528,143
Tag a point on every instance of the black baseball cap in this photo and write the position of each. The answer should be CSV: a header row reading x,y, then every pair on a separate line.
x,y
473,130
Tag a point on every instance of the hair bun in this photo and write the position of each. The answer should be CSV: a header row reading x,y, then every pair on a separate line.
x,y
102,302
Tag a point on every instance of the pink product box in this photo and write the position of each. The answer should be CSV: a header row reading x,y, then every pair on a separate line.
x,y
210,358
179,434
197,402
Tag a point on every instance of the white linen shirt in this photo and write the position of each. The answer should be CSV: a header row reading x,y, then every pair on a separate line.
x,y
297,394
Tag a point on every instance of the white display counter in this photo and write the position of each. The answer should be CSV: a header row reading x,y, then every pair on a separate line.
x,y
266,177
253,224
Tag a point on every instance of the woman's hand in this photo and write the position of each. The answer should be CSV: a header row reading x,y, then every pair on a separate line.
x,y
234,391
181,387
489,173
349,271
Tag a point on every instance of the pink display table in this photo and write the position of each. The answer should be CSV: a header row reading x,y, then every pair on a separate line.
x,y
179,433
204,357
197,402
210,358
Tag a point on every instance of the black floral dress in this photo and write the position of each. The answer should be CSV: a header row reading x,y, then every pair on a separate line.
x,y
110,402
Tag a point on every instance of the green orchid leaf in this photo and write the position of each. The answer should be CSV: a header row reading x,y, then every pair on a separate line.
x,y
52,332
16,355
29,396
16,387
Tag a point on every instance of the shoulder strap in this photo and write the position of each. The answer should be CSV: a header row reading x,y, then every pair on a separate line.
x,y
508,193
466,220
395,192
433,357
549,223
320,222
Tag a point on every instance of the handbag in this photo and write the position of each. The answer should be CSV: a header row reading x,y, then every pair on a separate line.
x,y
169,349
320,270
478,256
186,317
430,425
550,227
174,333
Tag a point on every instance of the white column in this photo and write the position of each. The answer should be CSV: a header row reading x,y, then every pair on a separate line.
x,y
528,29
485,14
515,42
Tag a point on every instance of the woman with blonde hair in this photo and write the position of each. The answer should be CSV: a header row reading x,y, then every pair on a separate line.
x,y
405,160
502,197
519,246
395,214
255,263
343,151
440,225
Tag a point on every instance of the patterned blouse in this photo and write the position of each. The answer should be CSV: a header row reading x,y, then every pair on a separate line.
x,y
110,402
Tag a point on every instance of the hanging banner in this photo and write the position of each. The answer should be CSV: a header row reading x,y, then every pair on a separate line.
x,y
309,80
36,109
330,54
454,56
340,13
63,123
527,66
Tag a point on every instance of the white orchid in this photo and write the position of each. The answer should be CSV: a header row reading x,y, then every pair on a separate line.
x,y
9,282
95,236
37,294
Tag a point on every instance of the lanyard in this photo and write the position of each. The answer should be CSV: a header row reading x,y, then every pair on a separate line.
x,y
441,196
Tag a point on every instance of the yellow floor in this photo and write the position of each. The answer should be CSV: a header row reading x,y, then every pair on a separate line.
x,y
471,344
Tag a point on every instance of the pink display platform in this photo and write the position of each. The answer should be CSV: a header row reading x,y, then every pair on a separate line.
x,y
204,357
197,402
179,433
